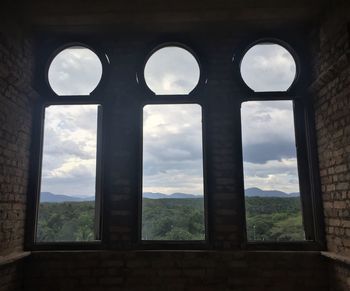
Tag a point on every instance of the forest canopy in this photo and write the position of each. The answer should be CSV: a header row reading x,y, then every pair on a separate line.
x,y
267,219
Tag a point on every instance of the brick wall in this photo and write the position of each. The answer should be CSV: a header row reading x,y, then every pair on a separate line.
x,y
15,130
11,276
176,270
169,270
120,267
331,90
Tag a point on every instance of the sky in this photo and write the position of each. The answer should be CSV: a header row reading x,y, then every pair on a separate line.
x,y
172,133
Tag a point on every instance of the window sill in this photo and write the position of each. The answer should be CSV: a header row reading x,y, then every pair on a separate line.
x,y
88,245
337,258
13,257
284,246
173,245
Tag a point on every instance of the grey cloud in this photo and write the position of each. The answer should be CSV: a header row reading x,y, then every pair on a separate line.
x,y
81,181
173,160
268,131
278,175
174,67
261,153
268,68
75,71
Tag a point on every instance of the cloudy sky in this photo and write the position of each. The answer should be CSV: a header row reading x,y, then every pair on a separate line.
x,y
172,133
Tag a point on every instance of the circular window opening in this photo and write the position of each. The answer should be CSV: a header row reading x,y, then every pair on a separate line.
x,y
76,70
172,70
268,67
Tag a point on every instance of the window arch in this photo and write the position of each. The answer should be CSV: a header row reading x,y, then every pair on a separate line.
x,y
70,162
275,156
75,70
268,66
172,70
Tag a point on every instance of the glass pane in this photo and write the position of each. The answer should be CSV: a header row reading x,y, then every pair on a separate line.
x,y
273,206
68,177
173,201
76,70
172,70
268,67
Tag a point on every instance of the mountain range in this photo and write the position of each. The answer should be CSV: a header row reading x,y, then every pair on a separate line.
x,y
257,192
250,192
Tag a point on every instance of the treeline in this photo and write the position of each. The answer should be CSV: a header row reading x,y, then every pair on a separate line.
x,y
268,219
173,219
274,219
67,221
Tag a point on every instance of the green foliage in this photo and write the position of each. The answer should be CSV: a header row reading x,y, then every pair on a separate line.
x,y
274,219
173,219
68,221
268,219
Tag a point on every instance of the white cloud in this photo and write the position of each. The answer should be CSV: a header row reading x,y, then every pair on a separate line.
x,y
75,71
172,70
272,175
172,134
172,149
268,67
69,152
269,151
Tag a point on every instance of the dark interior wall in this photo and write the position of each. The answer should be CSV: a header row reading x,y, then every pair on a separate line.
x,y
331,90
221,264
176,270
11,276
16,97
15,125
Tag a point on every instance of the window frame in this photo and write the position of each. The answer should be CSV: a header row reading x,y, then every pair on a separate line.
x,y
196,96
47,98
306,150
174,244
193,95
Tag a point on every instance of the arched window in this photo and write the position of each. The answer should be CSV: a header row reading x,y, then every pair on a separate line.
x,y
268,67
172,180
68,191
277,194
172,70
76,70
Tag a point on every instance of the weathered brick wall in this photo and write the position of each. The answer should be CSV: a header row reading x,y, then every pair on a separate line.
x,y
11,276
15,130
339,276
331,90
176,270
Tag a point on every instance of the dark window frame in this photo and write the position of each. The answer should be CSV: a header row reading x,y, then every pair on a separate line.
x,y
176,244
196,96
47,98
193,95
311,202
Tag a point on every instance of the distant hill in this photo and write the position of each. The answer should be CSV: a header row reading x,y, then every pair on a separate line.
x,y
58,198
152,195
250,192
257,192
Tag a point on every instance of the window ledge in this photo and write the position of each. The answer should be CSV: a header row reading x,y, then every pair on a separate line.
x,y
337,257
13,257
